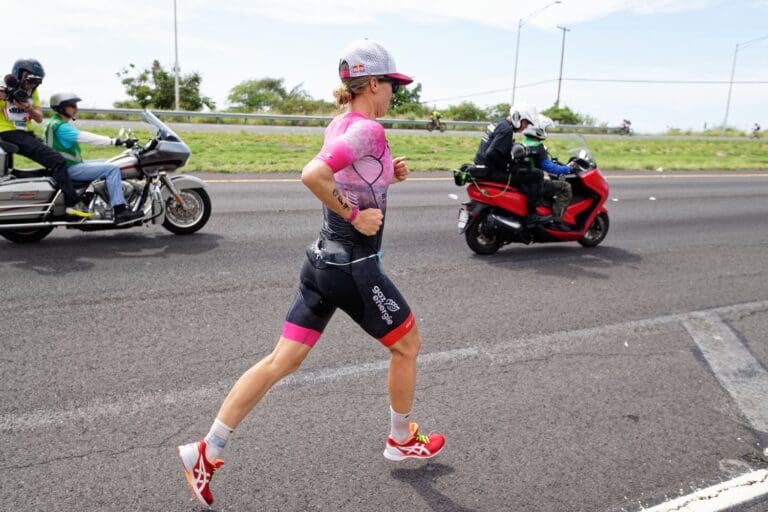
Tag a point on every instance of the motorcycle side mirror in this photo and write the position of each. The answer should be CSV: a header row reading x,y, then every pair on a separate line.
x,y
121,133
583,154
518,151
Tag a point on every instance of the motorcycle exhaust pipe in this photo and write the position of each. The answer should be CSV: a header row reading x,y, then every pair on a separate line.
x,y
55,224
507,223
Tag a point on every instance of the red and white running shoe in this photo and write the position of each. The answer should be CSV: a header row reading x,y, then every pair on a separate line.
x,y
417,446
199,470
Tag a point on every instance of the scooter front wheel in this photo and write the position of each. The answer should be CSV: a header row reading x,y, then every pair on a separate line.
x,y
479,238
26,236
596,232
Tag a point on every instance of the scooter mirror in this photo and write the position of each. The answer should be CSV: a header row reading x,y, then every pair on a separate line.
x,y
583,154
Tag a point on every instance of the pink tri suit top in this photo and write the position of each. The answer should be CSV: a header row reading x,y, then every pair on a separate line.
x,y
356,148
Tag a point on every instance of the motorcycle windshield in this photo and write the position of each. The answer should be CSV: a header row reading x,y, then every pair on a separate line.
x,y
163,132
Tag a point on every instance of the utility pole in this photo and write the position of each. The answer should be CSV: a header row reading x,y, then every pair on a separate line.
x,y
176,51
517,45
562,54
733,72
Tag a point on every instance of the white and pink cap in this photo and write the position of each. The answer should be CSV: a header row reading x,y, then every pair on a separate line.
x,y
366,57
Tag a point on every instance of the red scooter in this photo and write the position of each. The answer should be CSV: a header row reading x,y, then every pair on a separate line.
x,y
496,212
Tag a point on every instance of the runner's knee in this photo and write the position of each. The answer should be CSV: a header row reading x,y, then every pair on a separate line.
x,y
408,346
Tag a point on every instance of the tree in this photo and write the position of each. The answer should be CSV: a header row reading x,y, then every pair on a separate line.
x,y
563,115
465,111
254,95
155,87
498,111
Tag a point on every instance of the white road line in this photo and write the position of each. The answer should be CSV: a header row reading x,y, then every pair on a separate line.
x,y
498,353
745,379
723,496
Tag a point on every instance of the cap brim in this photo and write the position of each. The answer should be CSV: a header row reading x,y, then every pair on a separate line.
x,y
400,78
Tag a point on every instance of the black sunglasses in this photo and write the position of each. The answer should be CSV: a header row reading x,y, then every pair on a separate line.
x,y
395,85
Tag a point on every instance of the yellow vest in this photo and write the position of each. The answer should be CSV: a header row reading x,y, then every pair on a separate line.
x,y
13,118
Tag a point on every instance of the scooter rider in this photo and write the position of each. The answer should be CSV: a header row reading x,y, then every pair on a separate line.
x,y
18,110
495,152
65,139
538,158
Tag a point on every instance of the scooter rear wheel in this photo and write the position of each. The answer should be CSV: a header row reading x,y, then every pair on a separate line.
x,y
26,236
478,238
596,232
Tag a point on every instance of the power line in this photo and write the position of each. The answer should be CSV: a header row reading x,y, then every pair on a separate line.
x,y
603,80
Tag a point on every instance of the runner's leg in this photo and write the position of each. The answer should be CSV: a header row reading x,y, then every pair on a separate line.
x,y
254,383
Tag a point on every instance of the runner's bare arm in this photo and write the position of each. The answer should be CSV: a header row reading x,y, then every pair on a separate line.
x,y
317,176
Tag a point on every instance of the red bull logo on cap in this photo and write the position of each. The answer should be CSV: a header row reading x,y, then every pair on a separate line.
x,y
358,69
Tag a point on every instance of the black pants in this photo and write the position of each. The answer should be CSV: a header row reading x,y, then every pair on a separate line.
x,y
34,149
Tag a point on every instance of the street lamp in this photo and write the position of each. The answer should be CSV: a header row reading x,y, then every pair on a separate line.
x,y
733,72
562,53
176,63
517,46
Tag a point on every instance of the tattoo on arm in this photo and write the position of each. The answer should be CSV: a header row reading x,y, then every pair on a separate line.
x,y
341,199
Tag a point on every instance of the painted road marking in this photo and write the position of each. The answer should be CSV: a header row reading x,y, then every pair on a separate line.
x,y
720,497
742,376
497,353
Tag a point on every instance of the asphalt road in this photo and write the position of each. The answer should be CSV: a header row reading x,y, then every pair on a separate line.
x,y
565,379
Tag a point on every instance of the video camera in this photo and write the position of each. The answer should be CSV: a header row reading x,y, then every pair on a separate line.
x,y
14,90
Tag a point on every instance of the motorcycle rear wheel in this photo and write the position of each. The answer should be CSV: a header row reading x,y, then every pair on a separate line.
x,y
185,221
26,236
479,242
596,232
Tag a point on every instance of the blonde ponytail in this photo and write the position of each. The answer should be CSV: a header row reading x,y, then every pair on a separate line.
x,y
348,89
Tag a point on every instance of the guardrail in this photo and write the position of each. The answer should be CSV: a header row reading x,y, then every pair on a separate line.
x,y
301,120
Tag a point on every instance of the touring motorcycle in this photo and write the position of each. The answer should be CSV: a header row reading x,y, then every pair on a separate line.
x,y
496,212
31,205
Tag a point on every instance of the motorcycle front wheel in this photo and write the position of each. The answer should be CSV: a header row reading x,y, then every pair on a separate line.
x,y
185,220
430,127
477,240
26,236
596,232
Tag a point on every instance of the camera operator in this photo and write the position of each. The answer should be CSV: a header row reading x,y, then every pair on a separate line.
x,y
20,104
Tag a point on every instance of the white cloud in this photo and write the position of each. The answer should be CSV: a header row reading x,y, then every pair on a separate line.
x,y
498,13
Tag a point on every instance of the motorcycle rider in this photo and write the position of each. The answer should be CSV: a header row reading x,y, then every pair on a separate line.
x,y
495,152
65,139
756,131
626,127
15,126
538,158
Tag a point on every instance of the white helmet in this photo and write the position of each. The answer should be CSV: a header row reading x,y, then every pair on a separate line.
x,y
521,111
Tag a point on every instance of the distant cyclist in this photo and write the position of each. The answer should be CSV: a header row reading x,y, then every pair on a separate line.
x,y
350,176
756,131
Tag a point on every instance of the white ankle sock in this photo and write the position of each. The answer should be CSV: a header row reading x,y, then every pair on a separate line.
x,y
400,425
216,439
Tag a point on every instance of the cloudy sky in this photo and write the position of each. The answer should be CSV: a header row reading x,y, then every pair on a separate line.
x,y
660,63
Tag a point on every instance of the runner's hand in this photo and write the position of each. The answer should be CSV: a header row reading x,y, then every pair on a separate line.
x,y
368,221
401,169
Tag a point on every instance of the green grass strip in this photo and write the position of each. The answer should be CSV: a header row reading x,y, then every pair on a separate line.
x,y
285,152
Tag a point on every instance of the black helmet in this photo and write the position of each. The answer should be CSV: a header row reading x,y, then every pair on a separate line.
x,y
31,66
60,100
